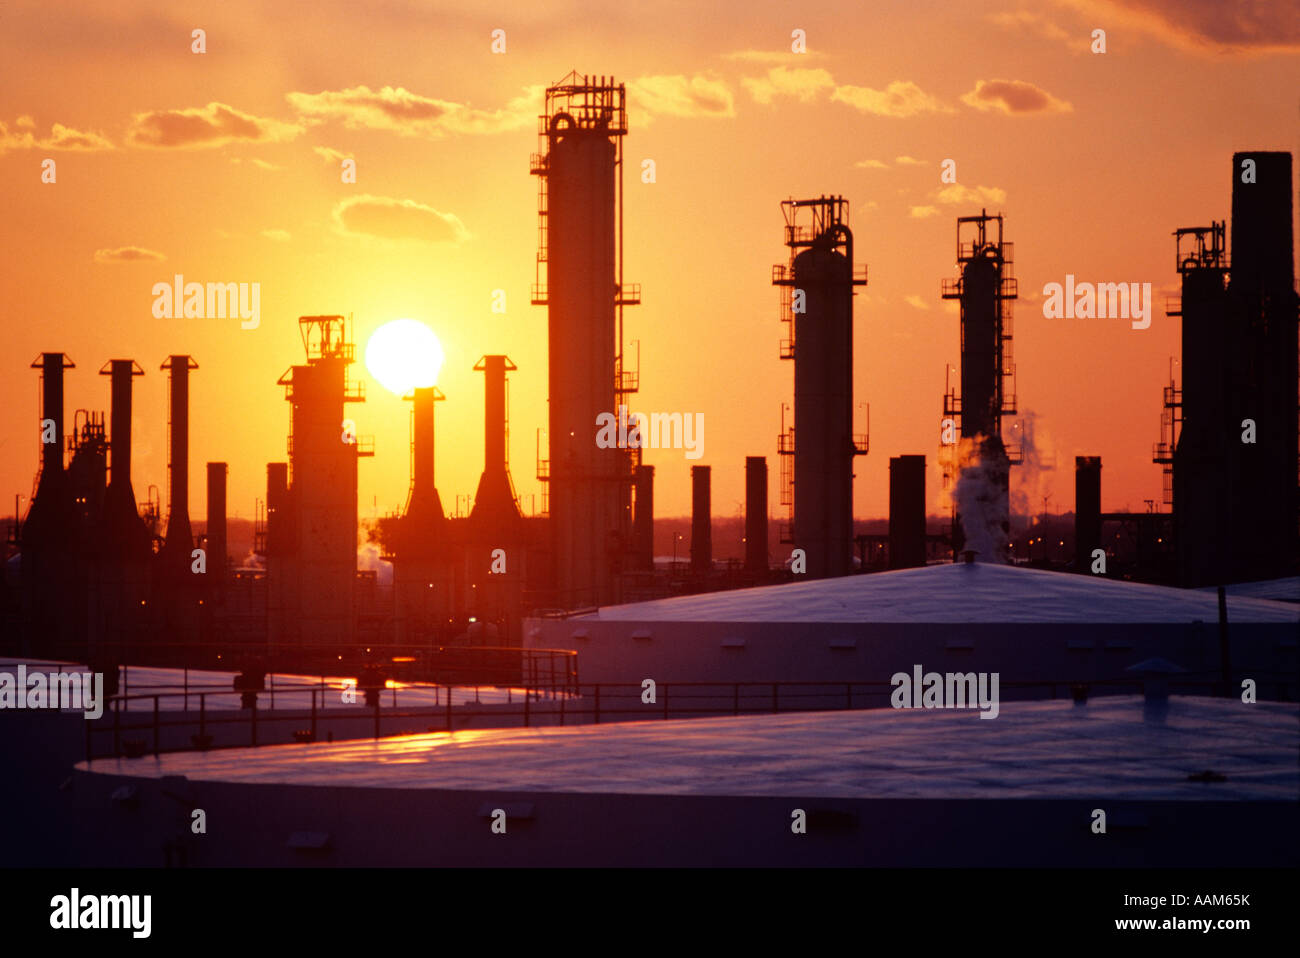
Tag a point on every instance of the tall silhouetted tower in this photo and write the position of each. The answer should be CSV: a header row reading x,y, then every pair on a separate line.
x,y
980,463
321,523
817,306
580,175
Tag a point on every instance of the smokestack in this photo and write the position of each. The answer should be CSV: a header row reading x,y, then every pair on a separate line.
x,y
424,504
1087,510
123,526
756,515
216,525
701,518
495,510
51,366
906,512
49,517
180,537
644,521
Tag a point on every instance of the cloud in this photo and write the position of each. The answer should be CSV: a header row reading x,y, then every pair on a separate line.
x,y
329,154
411,114
1033,22
916,301
128,254
1206,27
213,125
901,98
1013,97
66,138
260,164
387,218
803,84
908,161
921,212
279,236
678,95
871,165
61,138
772,56
956,194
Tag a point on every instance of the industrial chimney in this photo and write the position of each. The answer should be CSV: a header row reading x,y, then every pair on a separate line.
x,y
179,542
701,520
906,512
216,525
496,512
756,515
1087,510
125,534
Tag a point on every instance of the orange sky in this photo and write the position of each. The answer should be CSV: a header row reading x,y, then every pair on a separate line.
x,y
226,164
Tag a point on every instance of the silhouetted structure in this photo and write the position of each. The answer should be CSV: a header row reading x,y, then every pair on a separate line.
x,y
643,533
981,466
1229,433
701,519
756,515
817,289
1087,510
218,557
321,566
579,172
906,512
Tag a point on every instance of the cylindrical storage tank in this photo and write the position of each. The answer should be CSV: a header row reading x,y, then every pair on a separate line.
x,y
906,512
823,413
756,560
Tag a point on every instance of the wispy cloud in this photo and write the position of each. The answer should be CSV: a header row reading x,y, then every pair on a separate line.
x,y
61,137
329,154
956,194
800,83
916,302
871,165
922,212
908,161
213,125
405,113
392,219
128,254
902,98
1013,97
682,96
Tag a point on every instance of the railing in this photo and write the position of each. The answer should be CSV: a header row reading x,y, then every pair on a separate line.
x,y
594,703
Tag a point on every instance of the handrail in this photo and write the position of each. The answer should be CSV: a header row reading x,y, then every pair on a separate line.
x,y
591,700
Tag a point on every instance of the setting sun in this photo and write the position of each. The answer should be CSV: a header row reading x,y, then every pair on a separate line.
x,y
403,355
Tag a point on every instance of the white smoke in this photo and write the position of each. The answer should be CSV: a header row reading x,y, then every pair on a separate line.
x,y
981,507
1035,475
368,558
